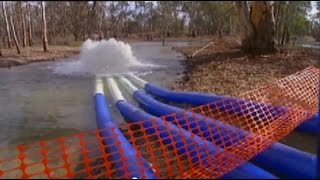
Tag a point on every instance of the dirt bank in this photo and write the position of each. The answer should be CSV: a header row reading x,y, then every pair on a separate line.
x,y
35,54
223,69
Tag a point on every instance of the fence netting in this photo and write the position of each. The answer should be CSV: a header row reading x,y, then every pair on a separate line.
x,y
179,148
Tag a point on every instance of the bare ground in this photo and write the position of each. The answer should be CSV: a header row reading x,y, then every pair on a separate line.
x,y
35,54
223,69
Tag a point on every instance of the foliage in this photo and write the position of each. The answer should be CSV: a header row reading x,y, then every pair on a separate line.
x,y
151,19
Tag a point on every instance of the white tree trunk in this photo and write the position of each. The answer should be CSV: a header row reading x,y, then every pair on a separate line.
x,y
6,23
29,24
24,34
14,31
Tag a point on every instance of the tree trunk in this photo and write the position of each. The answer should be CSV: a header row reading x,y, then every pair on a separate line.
x,y
230,26
280,23
115,33
33,25
6,23
24,34
29,24
286,26
285,30
294,41
163,30
151,26
4,41
287,39
84,32
44,27
14,31
114,29
277,15
0,49
76,37
100,26
288,35
151,30
64,30
127,29
51,26
258,26
163,34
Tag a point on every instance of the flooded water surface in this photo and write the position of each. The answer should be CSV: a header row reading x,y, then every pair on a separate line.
x,y
42,100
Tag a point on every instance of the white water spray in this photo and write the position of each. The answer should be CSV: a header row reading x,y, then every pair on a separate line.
x,y
101,57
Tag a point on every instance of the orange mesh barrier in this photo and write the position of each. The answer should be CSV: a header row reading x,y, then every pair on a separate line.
x,y
84,155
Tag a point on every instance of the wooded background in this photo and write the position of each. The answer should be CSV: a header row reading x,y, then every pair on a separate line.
x,y
25,23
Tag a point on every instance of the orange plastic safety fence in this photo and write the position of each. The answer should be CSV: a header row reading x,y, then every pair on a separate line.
x,y
85,155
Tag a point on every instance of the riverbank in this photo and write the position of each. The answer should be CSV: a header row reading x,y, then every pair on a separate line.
x,y
223,69
34,54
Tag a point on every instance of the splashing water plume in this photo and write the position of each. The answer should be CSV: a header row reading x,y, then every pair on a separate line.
x,y
101,57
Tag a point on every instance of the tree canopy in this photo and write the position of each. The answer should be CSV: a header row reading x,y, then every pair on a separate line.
x,y
69,21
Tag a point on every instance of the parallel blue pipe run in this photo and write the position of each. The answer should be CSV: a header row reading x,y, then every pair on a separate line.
x,y
194,98
133,114
230,104
290,162
195,123
104,122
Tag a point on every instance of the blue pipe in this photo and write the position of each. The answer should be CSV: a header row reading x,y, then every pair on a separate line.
x,y
289,157
311,126
133,114
197,99
195,123
111,139
229,104
193,98
287,162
